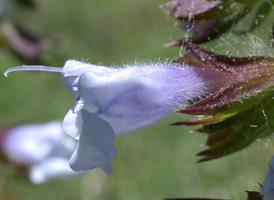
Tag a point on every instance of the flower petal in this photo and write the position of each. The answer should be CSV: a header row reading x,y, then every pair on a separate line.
x,y
72,124
50,168
96,145
28,144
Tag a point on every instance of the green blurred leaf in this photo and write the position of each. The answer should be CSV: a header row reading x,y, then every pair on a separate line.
x,y
206,19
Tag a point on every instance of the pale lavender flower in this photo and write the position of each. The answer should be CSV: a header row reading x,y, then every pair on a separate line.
x,y
43,148
268,186
111,101
53,167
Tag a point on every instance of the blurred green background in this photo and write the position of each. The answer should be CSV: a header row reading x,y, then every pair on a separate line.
x,y
155,162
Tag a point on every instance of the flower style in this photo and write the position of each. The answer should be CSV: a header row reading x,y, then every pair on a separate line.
x,y
44,148
112,101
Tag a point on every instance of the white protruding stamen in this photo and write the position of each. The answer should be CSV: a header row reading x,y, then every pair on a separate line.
x,y
33,68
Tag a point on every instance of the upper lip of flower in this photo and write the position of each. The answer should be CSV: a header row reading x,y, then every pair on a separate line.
x,y
73,69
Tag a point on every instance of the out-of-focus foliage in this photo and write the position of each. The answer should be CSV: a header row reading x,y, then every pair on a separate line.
x,y
23,43
207,20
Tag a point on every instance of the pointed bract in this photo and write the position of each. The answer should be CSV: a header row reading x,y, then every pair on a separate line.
x,y
227,115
